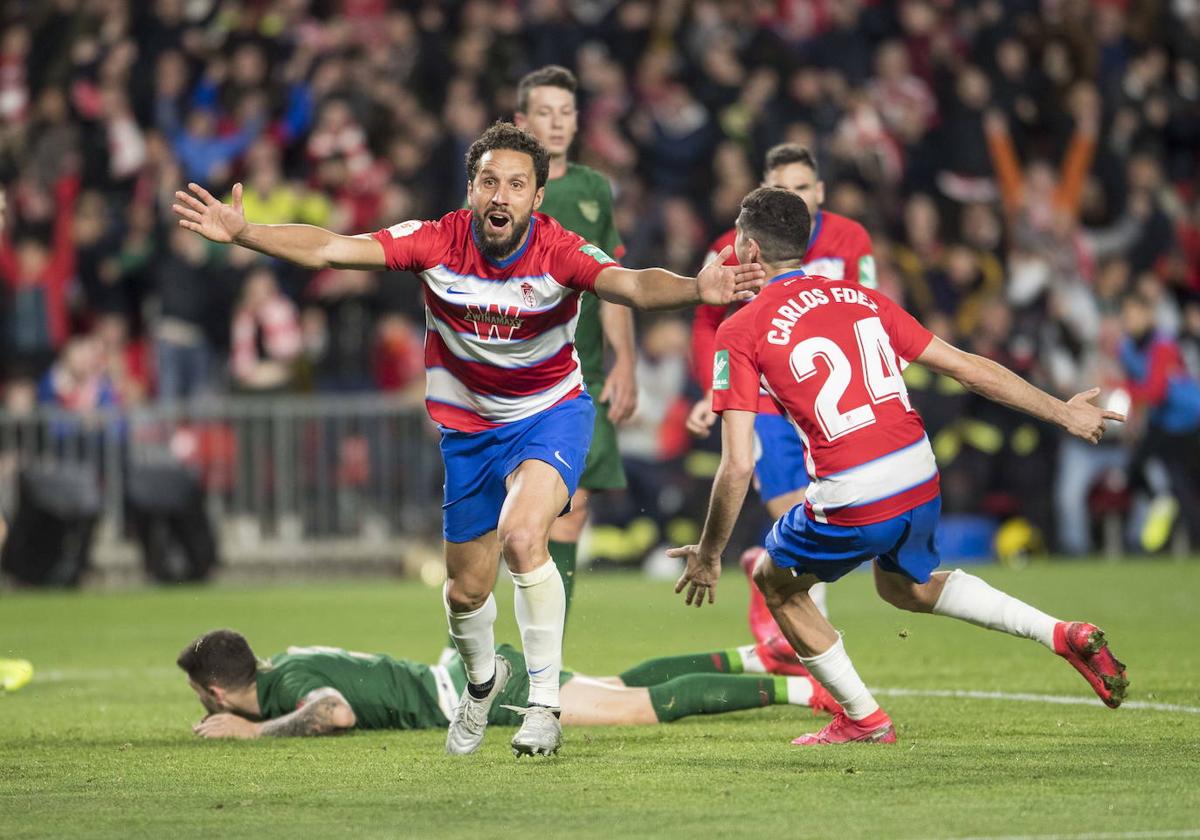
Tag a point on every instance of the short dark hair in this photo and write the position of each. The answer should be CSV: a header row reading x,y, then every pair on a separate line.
x,y
552,75
221,657
786,153
778,220
505,135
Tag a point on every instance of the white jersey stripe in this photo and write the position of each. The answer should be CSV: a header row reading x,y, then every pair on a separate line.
x,y
441,386
873,481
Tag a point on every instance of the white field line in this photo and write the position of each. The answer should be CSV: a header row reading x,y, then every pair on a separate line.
x,y
1097,835
1019,697
102,674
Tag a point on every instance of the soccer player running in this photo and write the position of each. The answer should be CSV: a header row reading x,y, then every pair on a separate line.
x,y
579,199
501,285
324,690
831,353
838,248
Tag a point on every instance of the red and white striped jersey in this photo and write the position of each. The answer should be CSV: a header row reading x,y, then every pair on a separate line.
x,y
830,353
499,341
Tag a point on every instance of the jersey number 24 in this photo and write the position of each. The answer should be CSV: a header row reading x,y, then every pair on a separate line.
x,y
879,370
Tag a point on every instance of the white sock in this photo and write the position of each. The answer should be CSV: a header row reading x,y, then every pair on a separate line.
x,y
799,691
818,594
474,637
541,607
834,670
750,663
969,598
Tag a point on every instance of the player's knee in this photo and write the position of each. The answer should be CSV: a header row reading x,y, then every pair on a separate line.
x,y
465,595
766,578
520,544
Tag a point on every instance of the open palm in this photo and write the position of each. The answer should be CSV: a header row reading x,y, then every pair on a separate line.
x,y
208,217
720,284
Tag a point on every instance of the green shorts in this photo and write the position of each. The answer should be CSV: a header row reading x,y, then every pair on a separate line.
x,y
603,469
516,692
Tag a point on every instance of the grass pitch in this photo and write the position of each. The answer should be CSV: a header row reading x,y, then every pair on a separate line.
x,y
99,744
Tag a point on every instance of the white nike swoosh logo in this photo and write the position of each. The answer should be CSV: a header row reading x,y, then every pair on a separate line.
x,y
560,459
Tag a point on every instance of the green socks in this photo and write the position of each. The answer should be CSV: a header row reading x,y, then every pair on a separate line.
x,y
710,694
563,554
655,671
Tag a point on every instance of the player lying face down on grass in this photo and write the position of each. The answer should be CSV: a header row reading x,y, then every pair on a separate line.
x,y
830,353
503,383
323,690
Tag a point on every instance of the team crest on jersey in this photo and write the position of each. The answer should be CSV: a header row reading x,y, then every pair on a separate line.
x,y
405,228
495,322
527,295
596,253
590,210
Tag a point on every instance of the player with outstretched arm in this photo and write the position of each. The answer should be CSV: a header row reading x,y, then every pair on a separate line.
x,y
503,383
831,352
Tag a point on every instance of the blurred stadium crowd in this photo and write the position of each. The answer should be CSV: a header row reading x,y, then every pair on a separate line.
x,y
1027,171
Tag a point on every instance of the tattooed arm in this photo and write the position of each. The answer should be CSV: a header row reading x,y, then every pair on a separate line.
x,y
325,711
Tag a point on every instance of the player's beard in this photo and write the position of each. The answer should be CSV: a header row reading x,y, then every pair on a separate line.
x,y
497,249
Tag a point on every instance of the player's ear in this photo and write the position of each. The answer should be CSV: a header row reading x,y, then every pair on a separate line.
x,y
819,192
753,252
538,196
519,119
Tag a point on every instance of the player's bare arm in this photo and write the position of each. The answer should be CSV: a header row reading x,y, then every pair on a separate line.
x,y
1077,415
325,711
620,386
306,245
657,288
729,492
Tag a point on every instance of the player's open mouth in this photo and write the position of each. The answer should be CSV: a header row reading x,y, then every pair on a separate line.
x,y
497,222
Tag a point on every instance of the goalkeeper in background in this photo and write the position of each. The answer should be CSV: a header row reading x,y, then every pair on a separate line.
x,y
580,200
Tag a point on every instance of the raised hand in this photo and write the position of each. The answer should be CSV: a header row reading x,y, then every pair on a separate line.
x,y
700,576
208,217
720,284
1086,420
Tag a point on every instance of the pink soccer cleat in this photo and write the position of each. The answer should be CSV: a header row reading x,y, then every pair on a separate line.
x,y
875,728
1084,646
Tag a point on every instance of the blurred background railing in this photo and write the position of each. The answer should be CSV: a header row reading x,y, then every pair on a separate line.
x,y
338,480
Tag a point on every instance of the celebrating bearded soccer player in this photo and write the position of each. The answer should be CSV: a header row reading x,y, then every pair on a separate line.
x,y
323,690
502,286
830,352
579,199
838,248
